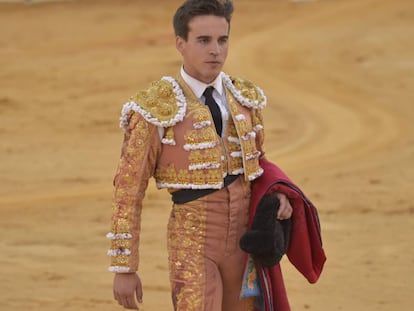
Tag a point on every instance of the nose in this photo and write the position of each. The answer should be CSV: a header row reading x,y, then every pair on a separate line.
x,y
215,49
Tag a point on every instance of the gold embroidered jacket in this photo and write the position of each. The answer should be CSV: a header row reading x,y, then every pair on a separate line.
x,y
190,155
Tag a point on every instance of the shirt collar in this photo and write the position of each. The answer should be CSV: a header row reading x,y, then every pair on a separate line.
x,y
198,87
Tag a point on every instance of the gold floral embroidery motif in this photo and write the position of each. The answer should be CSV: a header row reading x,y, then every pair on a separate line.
x,y
182,177
247,143
169,137
234,163
167,174
243,128
205,135
201,114
121,244
120,225
159,100
131,180
252,166
120,261
257,118
198,158
186,232
169,177
249,146
198,177
232,130
247,89
214,176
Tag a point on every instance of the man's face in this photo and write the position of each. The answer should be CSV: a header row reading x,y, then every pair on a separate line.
x,y
205,50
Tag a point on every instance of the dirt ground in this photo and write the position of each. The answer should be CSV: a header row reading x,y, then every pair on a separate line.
x,y
339,76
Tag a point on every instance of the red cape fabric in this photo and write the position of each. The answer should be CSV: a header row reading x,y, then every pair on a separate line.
x,y
305,250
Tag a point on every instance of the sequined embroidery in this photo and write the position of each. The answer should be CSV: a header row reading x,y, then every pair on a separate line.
x,y
162,104
169,177
245,92
201,117
186,235
131,180
204,148
204,159
209,159
204,138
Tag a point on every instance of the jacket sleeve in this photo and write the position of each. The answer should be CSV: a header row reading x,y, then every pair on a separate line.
x,y
137,164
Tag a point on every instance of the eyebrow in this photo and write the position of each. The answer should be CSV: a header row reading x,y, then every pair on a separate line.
x,y
203,37
209,37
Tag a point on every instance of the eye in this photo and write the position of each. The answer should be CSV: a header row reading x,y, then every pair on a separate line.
x,y
203,40
223,40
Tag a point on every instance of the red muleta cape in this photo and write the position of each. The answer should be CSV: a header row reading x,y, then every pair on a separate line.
x,y
305,250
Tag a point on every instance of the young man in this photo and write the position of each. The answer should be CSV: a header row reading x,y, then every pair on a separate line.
x,y
199,135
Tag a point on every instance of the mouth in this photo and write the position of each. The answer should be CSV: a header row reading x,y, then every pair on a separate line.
x,y
213,62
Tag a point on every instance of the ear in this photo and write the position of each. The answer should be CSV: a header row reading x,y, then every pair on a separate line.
x,y
179,44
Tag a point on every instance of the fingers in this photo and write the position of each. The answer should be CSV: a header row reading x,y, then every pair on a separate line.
x,y
125,287
138,292
128,302
285,209
125,300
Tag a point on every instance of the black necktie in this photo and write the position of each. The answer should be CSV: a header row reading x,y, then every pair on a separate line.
x,y
214,109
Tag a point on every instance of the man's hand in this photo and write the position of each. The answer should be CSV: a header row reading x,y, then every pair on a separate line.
x,y
127,286
285,209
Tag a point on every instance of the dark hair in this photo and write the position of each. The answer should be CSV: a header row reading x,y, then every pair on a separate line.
x,y
192,8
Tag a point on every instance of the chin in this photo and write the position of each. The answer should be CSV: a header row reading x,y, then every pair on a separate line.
x,y
212,75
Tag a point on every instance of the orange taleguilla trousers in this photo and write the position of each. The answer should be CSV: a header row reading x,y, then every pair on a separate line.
x,y
205,260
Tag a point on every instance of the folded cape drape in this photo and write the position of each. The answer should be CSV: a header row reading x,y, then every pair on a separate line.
x,y
305,250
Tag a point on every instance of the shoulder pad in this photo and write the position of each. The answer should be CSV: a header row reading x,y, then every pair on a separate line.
x,y
248,94
162,104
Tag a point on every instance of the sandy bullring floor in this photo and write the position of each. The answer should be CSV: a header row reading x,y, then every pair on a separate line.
x,y
339,76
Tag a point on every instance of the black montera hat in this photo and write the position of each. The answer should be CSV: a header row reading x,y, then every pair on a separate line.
x,y
268,239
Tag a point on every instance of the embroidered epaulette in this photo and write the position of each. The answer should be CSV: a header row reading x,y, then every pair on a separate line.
x,y
162,104
248,94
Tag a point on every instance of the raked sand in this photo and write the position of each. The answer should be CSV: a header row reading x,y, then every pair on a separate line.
x,y
339,76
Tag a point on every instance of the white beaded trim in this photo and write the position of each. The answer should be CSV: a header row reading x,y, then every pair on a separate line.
x,y
167,141
133,106
200,125
240,117
190,186
233,139
249,135
206,145
253,155
118,269
119,236
238,171
256,174
207,165
243,100
236,154
123,120
119,252
258,128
